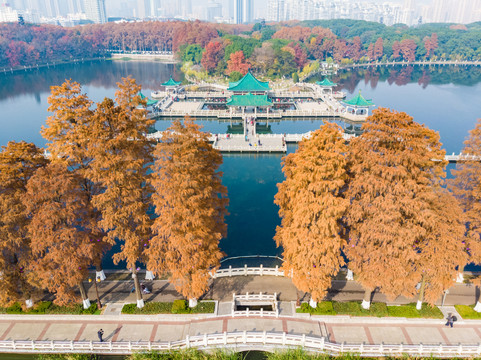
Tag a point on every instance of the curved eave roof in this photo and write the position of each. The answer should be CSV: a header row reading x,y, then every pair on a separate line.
x,y
249,83
171,82
359,101
326,83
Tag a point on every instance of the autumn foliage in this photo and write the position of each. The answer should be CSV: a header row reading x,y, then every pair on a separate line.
x,y
311,206
237,62
396,167
190,204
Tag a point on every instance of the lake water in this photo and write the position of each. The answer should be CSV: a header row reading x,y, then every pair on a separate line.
x,y
445,99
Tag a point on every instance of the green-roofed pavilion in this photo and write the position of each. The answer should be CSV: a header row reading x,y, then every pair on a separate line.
x,y
171,82
326,85
249,84
249,100
150,102
358,105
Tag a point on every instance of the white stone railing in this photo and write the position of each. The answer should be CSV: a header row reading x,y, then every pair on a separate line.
x,y
241,341
245,271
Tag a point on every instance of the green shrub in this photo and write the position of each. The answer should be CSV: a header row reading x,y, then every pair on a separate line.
x,y
323,308
15,309
203,307
467,312
42,306
168,308
179,307
129,309
410,311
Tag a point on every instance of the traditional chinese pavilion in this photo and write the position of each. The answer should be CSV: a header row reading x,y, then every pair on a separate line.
x,y
358,105
326,85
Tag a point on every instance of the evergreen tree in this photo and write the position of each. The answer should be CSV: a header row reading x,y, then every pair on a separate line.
x,y
190,202
312,206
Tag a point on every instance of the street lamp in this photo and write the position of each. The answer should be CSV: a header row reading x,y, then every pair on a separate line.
x,y
97,291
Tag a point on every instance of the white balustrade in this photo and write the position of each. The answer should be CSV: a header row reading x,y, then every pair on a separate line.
x,y
244,340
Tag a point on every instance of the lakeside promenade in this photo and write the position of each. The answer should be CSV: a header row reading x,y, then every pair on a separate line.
x,y
126,333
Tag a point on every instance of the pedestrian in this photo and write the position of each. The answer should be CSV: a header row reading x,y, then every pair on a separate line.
x,y
100,333
450,320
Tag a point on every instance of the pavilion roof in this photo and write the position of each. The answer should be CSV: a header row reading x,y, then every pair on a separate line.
x,y
249,100
171,82
326,83
360,101
249,83
149,101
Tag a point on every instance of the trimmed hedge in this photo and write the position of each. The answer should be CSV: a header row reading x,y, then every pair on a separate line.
x,y
177,307
47,307
353,308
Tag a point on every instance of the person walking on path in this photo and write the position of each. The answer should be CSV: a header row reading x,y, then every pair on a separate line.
x,y
450,320
100,333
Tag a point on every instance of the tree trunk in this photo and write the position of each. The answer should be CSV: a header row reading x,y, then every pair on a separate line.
x,y
312,303
366,301
192,303
99,272
83,293
419,304
477,308
350,275
138,292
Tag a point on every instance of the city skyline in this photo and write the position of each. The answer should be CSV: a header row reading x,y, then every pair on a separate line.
x,y
74,12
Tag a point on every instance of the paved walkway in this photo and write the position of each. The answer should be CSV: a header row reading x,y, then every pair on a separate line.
x,y
176,327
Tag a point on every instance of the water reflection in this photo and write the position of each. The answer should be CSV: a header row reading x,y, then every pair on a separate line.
x,y
98,74
350,79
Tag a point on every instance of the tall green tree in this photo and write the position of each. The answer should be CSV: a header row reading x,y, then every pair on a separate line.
x,y
120,154
312,206
190,202
392,164
18,163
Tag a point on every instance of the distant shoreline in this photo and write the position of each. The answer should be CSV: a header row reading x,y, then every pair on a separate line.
x,y
167,59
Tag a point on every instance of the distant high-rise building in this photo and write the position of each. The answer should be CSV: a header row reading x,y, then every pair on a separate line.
x,y
214,10
7,14
243,11
247,11
237,11
95,11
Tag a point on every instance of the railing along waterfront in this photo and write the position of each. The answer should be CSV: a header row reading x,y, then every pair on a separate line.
x,y
245,271
242,341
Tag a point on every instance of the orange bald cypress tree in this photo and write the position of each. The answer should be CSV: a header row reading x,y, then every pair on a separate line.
x,y
18,163
311,207
466,186
190,202
62,248
392,164
442,250
120,154
69,132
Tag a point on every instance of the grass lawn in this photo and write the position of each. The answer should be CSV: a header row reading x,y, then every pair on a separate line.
x,y
467,312
353,308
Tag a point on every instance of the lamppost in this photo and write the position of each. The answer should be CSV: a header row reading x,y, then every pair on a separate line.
x,y
97,291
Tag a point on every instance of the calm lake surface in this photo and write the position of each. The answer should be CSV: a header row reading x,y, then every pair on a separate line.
x,y
446,99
